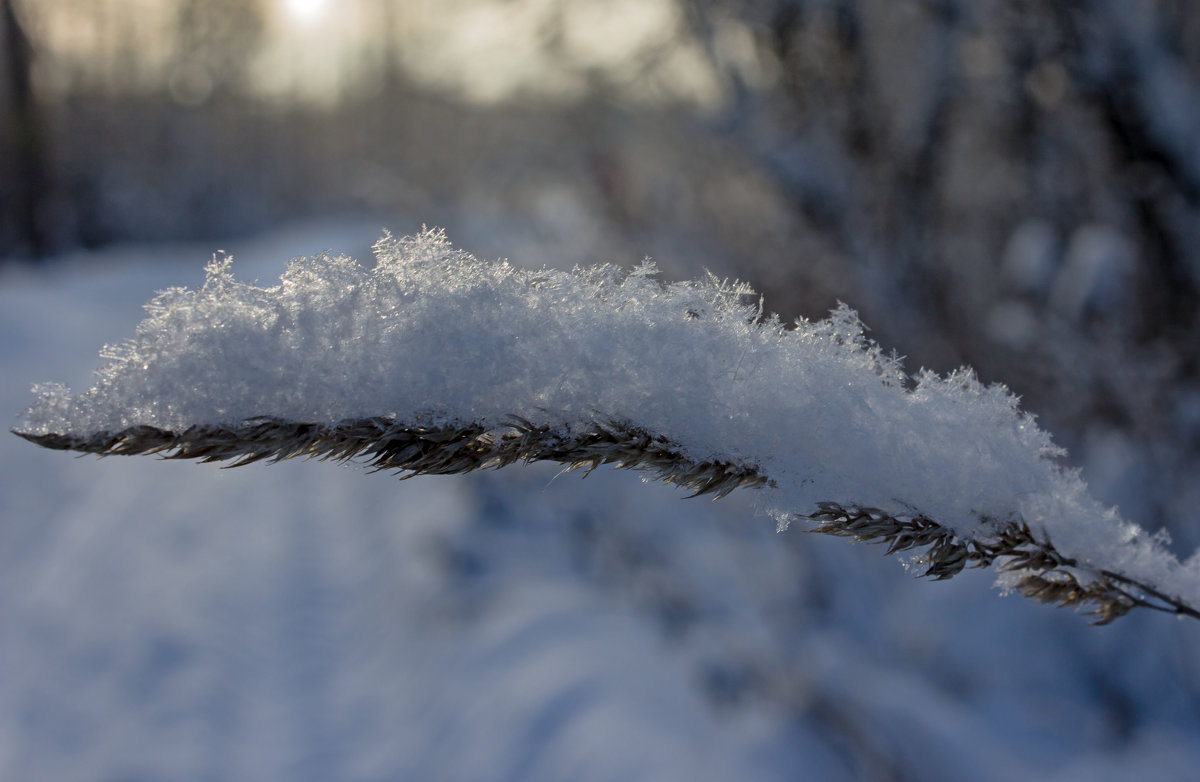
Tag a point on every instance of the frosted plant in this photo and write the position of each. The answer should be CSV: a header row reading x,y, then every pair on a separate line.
x,y
436,362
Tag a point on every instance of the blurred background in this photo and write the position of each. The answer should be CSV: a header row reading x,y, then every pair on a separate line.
x,y
1009,184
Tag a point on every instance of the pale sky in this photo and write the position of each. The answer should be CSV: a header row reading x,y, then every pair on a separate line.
x,y
482,50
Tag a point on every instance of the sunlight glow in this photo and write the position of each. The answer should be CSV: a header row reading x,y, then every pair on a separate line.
x,y
305,11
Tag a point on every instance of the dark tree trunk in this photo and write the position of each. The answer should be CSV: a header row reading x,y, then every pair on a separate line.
x,y
24,194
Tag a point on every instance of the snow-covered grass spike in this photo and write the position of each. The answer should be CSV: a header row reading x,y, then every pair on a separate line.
x,y
421,449
436,362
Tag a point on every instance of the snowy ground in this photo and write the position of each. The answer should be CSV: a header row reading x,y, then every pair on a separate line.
x,y
302,621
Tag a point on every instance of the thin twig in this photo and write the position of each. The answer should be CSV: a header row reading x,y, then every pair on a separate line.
x,y
440,448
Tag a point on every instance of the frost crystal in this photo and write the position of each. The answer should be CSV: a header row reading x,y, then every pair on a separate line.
x,y
435,337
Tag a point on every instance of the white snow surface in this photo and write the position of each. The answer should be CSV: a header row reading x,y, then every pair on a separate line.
x,y
172,621
431,333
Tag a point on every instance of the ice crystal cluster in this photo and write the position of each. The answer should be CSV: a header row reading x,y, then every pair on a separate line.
x,y
431,339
